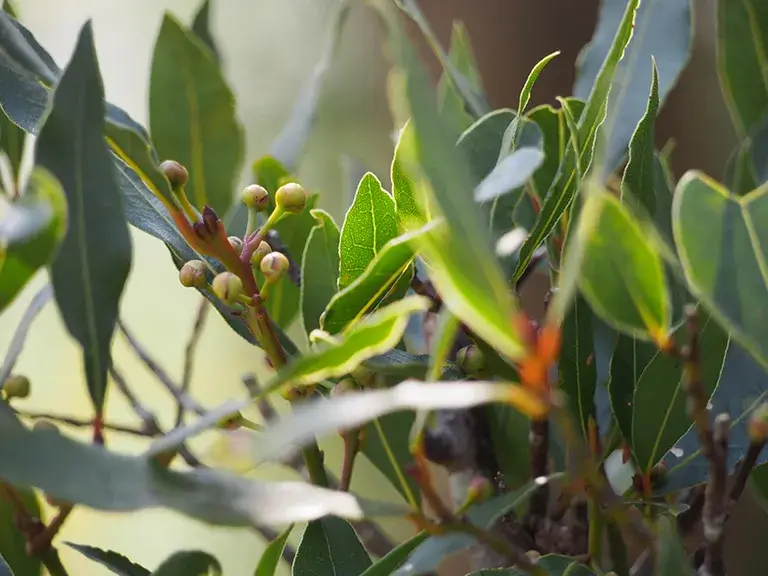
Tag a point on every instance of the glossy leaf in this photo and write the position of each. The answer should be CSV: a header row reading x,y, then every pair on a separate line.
x,y
510,173
112,561
622,275
462,57
671,557
663,30
31,229
369,224
319,269
330,547
189,563
93,262
273,553
565,185
409,187
383,279
53,463
11,136
13,542
192,116
742,34
201,26
386,565
722,250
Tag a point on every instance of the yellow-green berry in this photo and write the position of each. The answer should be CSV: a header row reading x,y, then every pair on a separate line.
x,y
470,359
256,197
291,197
16,386
274,265
192,274
227,287
176,173
236,243
757,426
258,255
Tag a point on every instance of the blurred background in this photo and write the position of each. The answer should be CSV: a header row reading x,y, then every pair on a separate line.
x,y
268,48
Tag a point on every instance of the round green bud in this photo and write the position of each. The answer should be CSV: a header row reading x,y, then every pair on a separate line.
x,y
255,196
274,265
192,274
236,243
291,197
470,359
227,287
176,173
16,386
258,255
42,425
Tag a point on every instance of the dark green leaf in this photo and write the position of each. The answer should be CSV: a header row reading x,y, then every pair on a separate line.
x,y
273,553
671,557
391,434
112,561
13,547
661,29
565,185
722,250
192,116
330,547
576,367
11,136
93,262
201,26
462,57
386,565
742,29
369,224
319,269
30,232
554,564
399,364
189,563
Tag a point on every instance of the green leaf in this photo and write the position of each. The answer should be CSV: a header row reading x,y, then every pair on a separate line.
x,y
5,570
12,353
639,175
384,279
386,565
722,250
399,364
509,174
369,224
576,368
319,269
273,553
671,557
742,34
13,542
330,546
661,29
192,116
11,136
201,26
93,262
112,561
31,229
387,435
460,54
189,563
554,564
566,184
409,187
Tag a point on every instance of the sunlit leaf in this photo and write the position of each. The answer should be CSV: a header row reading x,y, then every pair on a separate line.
x,y
319,269
386,565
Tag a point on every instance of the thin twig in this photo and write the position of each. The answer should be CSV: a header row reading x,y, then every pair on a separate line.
x,y
714,515
189,355
148,420
743,471
83,423
162,375
22,329
497,544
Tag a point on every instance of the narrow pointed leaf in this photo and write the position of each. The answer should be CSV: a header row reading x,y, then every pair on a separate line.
x,y
192,116
319,269
93,262
671,556
189,563
201,26
5,570
273,554
461,56
409,188
13,547
511,173
31,229
112,561
386,565
330,547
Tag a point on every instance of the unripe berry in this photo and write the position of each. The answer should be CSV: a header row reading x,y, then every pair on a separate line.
x,y
236,243
344,386
227,287
192,274
470,359
16,386
258,255
176,173
255,196
757,427
274,265
291,197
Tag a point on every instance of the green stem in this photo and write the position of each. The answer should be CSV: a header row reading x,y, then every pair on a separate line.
x,y
52,562
313,459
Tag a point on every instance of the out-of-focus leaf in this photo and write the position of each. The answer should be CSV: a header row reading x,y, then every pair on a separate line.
x,y
5,570
671,556
189,563
554,564
383,279
112,561
39,300
13,542
273,553
11,136
330,547
201,26
409,187
722,250
399,364
192,116
742,30
747,167
369,224
510,173
462,57
319,269
92,265
31,230
386,565
565,185
661,29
